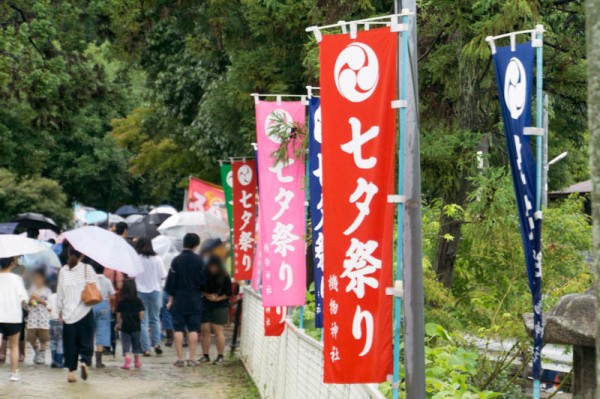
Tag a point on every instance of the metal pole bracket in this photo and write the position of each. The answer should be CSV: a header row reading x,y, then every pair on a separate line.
x,y
397,290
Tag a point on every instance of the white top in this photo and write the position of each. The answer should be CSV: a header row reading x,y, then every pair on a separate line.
x,y
39,316
12,296
105,286
154,272
53,307
71,283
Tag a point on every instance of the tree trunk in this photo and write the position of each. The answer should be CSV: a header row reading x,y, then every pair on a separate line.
x,y
449,236
593,62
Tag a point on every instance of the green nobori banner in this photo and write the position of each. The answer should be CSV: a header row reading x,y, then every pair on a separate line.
x,y
227,183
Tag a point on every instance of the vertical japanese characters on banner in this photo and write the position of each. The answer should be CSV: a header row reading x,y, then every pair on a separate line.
x,y
244,218
514,74
358,86
281,207
274,318
315,176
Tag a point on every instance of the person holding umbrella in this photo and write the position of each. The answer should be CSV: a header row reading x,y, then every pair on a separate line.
x,y
12,297
78,318
149,290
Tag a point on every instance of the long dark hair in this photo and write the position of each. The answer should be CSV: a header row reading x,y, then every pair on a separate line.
x,y
143,246
129,290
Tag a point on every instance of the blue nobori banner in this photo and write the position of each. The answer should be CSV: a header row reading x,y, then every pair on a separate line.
x,y
316,201
514,74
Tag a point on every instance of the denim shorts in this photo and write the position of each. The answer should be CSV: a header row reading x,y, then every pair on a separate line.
x,y
102,323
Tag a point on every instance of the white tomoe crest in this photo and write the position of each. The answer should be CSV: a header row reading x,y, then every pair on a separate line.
x,y
244,175
273,118
229,178
356,72
317,128
515,87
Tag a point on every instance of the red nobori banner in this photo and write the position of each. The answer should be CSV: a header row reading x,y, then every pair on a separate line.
x,y
281,207
358,85
244,218
274,320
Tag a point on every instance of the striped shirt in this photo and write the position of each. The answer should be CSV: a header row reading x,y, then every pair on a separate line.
x,y
71,283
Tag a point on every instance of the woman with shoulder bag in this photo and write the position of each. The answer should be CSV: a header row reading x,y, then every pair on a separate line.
x,y
77,292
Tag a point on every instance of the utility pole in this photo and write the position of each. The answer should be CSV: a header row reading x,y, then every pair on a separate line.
x,y
412,259
592,13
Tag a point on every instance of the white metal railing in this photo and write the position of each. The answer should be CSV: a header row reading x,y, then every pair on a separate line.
x,y
289,366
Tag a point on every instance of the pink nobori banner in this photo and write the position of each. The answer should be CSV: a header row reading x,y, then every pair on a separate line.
x,y
281,208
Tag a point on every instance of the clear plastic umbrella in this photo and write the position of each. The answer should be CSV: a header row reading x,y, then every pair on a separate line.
x,y
202,223
45,259
168,209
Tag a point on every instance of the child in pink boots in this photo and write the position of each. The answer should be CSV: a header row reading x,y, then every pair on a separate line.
x,y
130,312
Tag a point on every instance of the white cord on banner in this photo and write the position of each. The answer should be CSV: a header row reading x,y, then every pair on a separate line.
x,y
353,30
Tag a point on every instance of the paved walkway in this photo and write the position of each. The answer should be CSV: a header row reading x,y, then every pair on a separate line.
x,y
158,378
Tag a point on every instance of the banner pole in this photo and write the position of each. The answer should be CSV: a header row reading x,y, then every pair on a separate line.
x,y
414,327
539,145
545,154
397,281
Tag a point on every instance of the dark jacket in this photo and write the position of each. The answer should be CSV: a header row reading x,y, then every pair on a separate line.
x,y
184,282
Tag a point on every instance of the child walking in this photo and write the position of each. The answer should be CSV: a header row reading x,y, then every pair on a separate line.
x,y
12,298
38,319
56,334
130,312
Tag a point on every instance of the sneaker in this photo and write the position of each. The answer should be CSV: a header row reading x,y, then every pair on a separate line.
x,y
40,357
192,363
14,376
179,363
204,360
84,371
158,350
219,361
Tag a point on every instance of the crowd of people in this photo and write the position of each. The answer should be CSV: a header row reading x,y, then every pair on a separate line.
x,y
188,300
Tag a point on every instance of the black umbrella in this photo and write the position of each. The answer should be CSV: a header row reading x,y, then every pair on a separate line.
x,y
36,221
156,218
142,229
127,210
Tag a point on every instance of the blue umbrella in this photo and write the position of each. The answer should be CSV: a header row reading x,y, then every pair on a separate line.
x,y
95,217
8,228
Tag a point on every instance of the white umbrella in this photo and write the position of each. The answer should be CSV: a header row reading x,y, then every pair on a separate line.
x,y
16,245
202,223
114,219
168,209
106,248
133,218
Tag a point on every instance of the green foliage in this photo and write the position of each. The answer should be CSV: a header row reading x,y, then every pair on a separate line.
x,y
35,194
451,369
58,93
